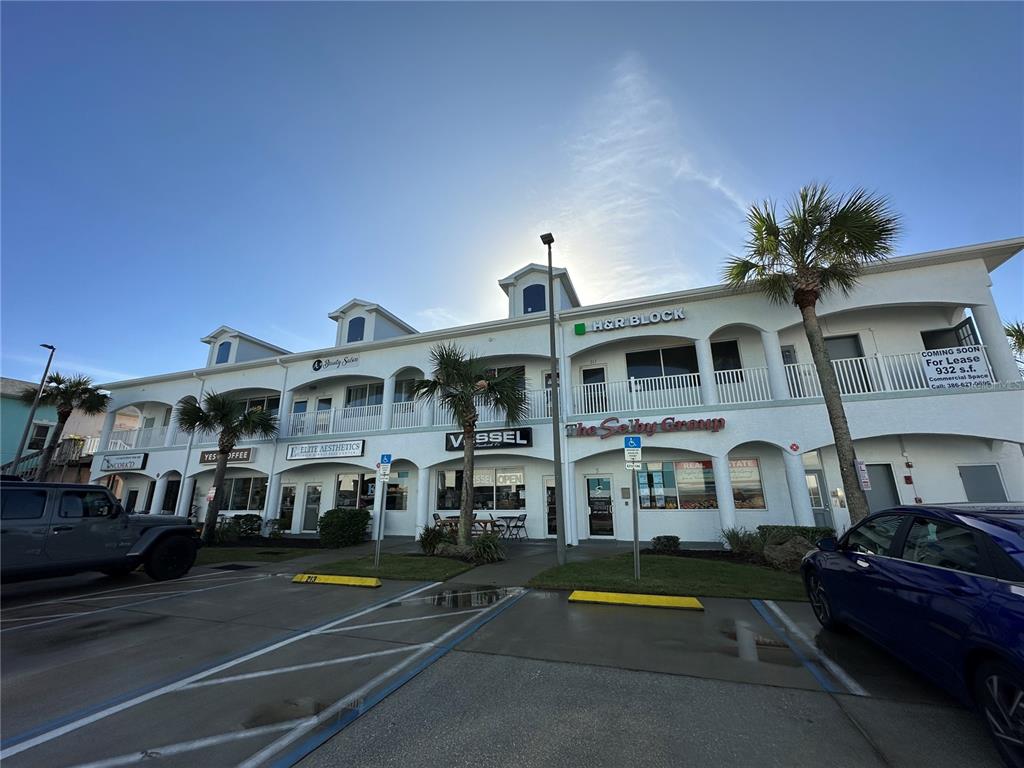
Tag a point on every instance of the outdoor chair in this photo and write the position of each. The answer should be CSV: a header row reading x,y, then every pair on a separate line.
x,y
438,522
518,528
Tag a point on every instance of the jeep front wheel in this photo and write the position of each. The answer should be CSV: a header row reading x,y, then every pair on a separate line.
x,y
170,558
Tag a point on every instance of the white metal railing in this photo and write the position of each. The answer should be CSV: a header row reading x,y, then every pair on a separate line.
x,y
90,446
336,421
902,372
128,439
538,406
405,415
678,391
743,385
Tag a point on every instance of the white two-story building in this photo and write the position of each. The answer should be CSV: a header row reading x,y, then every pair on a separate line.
x,y
719,383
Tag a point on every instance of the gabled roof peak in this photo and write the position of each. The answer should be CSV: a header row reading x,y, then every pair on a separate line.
x,y
227,330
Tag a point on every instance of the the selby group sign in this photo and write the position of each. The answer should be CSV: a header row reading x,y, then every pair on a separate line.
x,y
613,426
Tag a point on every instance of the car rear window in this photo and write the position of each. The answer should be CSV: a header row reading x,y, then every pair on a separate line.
x,y
945,545
22,503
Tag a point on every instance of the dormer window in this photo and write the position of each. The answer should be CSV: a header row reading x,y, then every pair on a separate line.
x,y
533,298
223,352
356,328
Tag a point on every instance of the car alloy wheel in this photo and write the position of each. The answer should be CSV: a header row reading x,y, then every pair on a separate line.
x,y
819,600
1002,703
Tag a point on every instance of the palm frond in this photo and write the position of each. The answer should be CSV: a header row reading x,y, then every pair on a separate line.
x,y
504,391
257,423
1015,334
191,417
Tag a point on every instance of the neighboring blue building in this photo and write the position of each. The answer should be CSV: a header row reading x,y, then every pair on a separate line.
x,y
14,414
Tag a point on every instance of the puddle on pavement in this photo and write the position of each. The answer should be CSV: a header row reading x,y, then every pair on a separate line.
x,y
468,597
748,644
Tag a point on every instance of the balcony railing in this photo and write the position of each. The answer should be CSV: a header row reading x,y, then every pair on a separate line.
x,y
405,415
130,439
743,385
678,391
336,421
538,406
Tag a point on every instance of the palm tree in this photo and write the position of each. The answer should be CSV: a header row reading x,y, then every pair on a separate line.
x,y
228,418
66,394
461,382
820,247
1015,335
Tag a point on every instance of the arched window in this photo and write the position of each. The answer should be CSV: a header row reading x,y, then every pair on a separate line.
x,y
223,352
356,326
533,299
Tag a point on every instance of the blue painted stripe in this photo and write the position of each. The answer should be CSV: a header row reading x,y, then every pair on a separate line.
x,y
817,672
318,738
92,709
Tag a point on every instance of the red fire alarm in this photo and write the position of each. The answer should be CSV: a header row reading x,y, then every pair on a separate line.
x,y
794,447
909,465
908,480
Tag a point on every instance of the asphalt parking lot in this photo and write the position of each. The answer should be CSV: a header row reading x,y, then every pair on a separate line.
x,y
243,667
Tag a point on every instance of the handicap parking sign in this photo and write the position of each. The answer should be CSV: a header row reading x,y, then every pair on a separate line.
x,y
385,458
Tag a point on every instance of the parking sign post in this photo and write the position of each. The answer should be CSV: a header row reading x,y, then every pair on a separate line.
x,y
380,493
632,446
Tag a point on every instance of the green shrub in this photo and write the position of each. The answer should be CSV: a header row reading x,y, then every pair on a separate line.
x,y
343,527
249,526
742,541
487,549
780,534
228,530
431,538
665,543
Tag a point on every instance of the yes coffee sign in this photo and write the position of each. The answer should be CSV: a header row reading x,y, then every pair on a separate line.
x,y
492,438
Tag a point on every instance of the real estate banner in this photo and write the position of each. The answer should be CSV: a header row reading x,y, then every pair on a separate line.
x,y
956,367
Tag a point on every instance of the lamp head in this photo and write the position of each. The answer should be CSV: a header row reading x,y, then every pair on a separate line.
x,y
547,239
48,346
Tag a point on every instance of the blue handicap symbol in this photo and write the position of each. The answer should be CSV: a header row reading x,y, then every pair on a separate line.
x,y
632,441
385,458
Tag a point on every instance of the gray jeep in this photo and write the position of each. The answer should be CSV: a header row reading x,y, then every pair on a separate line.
x,y
55,529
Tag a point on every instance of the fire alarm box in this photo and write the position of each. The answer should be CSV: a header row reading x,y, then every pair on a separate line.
x,y
908,479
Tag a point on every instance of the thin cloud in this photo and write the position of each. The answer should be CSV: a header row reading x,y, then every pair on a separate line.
x,y
69,366
436,318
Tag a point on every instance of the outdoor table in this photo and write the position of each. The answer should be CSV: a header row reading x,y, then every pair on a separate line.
x,y
507,520
485,524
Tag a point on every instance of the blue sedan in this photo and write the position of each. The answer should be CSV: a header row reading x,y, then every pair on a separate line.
x,y
942,587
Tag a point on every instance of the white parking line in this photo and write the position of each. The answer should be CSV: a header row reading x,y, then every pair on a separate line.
x,y
837,672
91,595
47,616
326,714
399,621
170,750
62,730
300,667
160,596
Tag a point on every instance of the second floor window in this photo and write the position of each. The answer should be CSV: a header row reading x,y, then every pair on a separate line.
x,y
533,299
223,352
37,440
364,394
356,327
669,361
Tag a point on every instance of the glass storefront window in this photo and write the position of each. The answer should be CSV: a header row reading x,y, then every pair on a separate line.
x,y
258,494
492,489
398,491
240,488
695,483
510,489
745,476
656,484
354,490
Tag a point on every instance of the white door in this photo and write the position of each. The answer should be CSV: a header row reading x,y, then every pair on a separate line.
x,y
311,507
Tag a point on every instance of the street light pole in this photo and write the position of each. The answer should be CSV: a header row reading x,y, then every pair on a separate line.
x,y
35,404
556,431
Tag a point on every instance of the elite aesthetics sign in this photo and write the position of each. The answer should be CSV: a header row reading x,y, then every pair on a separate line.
x,y
955,367
337,449
643,318
614,426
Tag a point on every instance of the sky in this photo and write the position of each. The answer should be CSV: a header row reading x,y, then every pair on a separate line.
x,y
169,168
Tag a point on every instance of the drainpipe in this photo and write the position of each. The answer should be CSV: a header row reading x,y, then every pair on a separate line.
x,y
273,499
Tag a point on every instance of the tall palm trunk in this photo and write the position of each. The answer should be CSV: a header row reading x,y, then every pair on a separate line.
x,y
856,501
468,456
214,507
51,446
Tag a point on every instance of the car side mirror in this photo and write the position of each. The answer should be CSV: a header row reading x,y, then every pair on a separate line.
x,y
828,544
116,510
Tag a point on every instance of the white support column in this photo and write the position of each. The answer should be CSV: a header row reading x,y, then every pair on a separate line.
x,y
776,366
798,496
273,503
159,492
284,412
388,402
188,489
706,364
428,406
1004,368
422,498
108,427
572,534
172,429
723,490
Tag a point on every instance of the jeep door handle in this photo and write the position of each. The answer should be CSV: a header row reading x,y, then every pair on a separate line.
x,y
862,563
59,528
